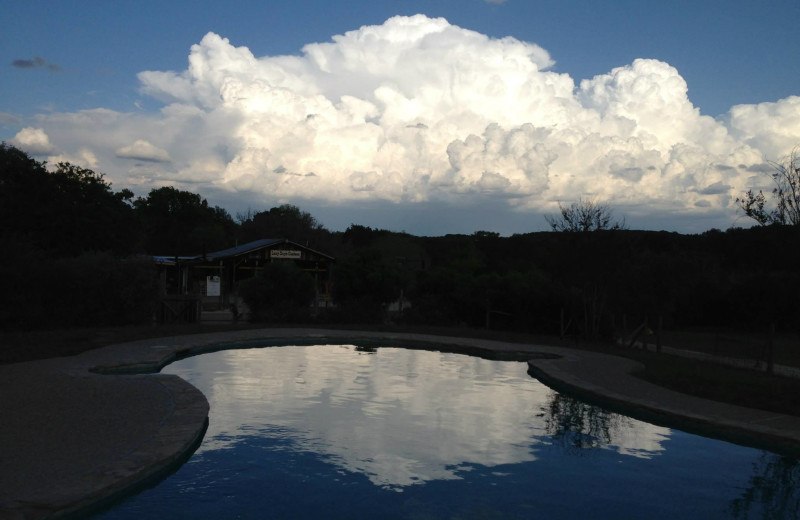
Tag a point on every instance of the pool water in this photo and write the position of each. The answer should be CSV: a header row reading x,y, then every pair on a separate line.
x,y
347,432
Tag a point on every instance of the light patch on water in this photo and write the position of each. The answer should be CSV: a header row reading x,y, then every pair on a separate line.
x,y
398,416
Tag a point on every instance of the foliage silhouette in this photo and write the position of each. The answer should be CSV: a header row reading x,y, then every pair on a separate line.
x,y
583,216
784,208
64,212
741,278
281,292
284,221
180,223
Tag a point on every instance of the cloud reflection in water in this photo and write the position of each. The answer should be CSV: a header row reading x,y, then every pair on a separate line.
x,y
400,416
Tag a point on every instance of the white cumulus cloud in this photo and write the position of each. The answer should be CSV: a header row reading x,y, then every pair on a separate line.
x,y
143,151
35,141
417,110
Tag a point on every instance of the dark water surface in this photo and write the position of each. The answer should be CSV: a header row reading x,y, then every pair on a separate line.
x,y
343,432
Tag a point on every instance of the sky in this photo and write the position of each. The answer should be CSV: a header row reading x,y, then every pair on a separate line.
x,y
434,117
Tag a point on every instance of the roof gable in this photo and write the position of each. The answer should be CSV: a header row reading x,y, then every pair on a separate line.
x,y
256,245
243,249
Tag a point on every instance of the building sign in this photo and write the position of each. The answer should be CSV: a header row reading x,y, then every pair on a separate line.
x,y
212,285
285,253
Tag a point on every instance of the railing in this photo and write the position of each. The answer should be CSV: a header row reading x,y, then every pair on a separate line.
x,y
178,309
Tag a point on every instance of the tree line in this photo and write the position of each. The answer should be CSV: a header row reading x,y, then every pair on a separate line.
x,y
75,254
75,250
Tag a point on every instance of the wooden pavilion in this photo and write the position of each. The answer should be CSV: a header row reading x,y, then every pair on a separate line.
x,y
209,280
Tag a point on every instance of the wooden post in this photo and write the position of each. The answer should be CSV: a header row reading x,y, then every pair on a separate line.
x,y
646,331
316,291
585,320
659,330
614,327
771,349
624,334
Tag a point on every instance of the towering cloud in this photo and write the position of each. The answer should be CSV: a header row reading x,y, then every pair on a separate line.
x,y
34,141
417,109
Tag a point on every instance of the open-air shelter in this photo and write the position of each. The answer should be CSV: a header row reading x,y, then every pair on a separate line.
x,y
209,280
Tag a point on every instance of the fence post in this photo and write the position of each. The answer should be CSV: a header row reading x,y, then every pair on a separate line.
x,y
659,330
613,324
771,349
624,324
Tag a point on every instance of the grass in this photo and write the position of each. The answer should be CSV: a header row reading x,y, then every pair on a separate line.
x,y
42,344
722,383
727,342
702,379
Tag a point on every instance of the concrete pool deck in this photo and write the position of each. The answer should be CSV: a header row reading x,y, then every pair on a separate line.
x,y
72,439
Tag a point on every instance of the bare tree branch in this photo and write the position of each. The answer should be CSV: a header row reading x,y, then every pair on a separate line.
x,y
584,215
785,201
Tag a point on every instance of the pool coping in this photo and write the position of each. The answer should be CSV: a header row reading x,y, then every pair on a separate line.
x,y
164,439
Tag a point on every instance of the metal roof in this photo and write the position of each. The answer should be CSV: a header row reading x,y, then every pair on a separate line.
x,y
171,260
242,249
234,251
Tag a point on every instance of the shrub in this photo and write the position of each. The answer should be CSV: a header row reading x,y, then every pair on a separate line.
x,y
99,289
280,292
93,289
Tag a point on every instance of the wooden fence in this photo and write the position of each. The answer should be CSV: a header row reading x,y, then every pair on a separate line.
x,y
178,309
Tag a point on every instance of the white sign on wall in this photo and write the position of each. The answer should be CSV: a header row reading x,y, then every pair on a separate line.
x,y
212,285
285,253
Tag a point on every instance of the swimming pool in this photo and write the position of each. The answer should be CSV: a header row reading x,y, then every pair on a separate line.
x,y
340,431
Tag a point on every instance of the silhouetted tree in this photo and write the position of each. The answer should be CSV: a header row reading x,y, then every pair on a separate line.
x,y
280,292
445,289
178,222
584,215
25,189
364,284
88,215
362,236
64,234
65,212
285,221
784,208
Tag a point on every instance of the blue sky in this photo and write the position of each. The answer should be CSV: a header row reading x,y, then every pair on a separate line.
x,y
503,129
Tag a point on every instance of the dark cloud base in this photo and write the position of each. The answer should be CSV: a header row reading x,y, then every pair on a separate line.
x,y
439,219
